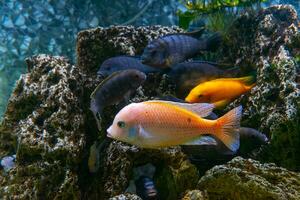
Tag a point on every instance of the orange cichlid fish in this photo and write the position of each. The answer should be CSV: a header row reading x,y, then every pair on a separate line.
x,y
155,124
220,91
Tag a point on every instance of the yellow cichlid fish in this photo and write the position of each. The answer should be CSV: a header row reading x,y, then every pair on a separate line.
x,y
155,124
220,91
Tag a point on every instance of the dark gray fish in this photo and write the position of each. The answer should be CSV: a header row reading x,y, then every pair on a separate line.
x,y
176,48
95,151
171,98
115,88
251,139
94,158
209,147
119,63
145,188
188,75
8,162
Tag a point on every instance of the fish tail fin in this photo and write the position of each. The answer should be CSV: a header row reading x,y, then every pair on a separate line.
x,y
248,87
213,42
248,80
227,130
221,104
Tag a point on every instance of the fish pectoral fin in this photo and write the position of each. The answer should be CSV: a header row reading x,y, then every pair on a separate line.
x,y
202,140
221,104
100,85
143,133
201,109
98,119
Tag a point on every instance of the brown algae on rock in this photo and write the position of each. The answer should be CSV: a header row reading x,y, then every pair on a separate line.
x,y
248,179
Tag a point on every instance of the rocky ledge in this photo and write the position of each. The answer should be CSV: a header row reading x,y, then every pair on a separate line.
x,y
49,126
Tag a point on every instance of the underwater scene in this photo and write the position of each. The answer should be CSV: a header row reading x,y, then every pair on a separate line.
x,y
150,100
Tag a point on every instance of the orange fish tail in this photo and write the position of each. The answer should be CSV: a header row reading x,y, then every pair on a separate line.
x,y
227,127
249,87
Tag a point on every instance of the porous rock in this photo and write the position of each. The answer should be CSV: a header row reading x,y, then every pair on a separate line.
x,y
272,106
195,195
126,196
249,179
44,124
172,166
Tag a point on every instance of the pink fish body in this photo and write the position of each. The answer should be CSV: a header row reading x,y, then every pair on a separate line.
x,y
155,124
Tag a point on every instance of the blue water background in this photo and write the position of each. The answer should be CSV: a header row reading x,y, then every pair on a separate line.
x,y
29,27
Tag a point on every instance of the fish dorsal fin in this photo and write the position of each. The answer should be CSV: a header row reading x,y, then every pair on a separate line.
x,y
201,109
195,34
103,82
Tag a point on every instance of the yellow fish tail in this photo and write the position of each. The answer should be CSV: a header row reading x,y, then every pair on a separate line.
x,y
227,127
250,86
221,104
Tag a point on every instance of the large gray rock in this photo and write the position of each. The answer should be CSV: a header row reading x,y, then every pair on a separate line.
x,y
249,179
44,124
267,43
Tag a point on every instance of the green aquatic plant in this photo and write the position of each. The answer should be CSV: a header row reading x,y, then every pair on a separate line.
x,y
207,8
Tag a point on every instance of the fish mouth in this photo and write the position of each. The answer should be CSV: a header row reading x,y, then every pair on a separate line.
x,y
109,132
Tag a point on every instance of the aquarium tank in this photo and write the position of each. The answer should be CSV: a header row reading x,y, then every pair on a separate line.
x,y
150,100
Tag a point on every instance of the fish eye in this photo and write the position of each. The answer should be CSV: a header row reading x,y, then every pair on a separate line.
x,y
200,95
121,124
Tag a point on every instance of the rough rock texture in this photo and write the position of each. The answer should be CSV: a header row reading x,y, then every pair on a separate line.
x,y
249,179
126,197
171,164
265,40
195,195
44,125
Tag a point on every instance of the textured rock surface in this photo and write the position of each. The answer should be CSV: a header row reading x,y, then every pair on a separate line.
x,y
44,124
126,197
195,195
249,179
171,164
273,105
